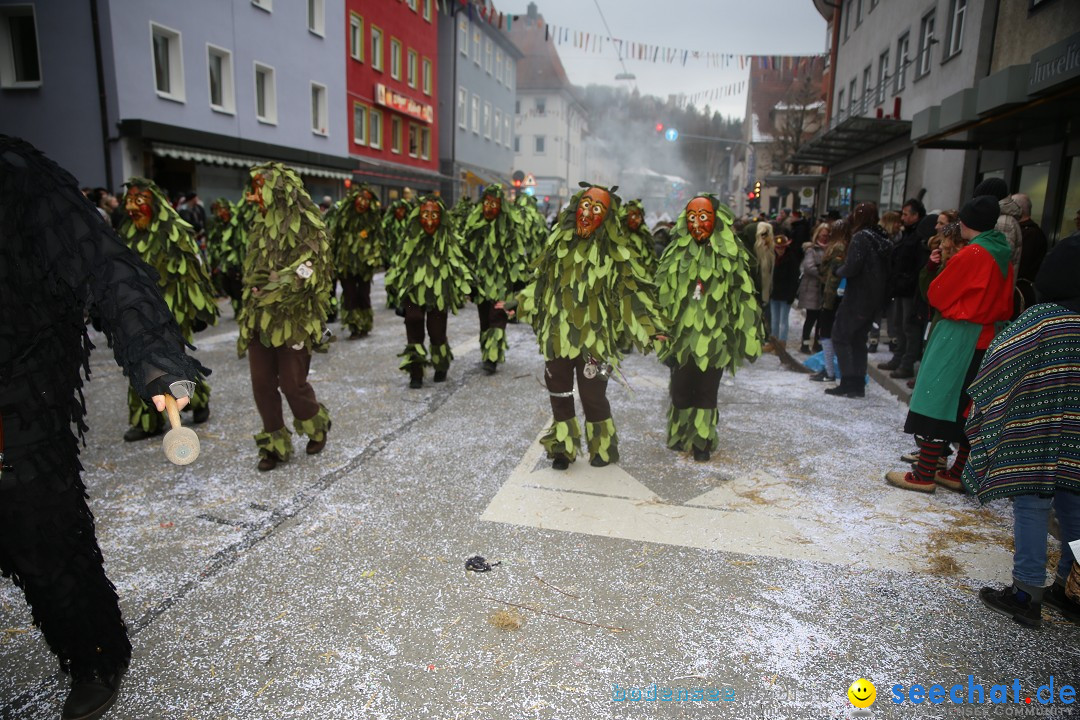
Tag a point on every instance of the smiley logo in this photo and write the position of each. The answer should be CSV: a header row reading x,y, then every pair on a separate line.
x,y
862,693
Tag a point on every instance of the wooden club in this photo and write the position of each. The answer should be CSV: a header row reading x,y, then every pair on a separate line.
x,y
181,444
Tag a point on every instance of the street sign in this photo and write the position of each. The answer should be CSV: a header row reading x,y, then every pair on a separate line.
x,y
530,180
671,134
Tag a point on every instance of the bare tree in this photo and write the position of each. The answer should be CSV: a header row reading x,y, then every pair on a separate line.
x,y
796,119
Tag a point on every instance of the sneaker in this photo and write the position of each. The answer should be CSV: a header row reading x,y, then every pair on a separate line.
x,y
560,462
909,481
1056,598
944,479
804,349
91,695
902,373
890,365
1013,602
820,376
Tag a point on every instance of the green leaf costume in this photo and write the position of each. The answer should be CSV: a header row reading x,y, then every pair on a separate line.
x,y
707,293
431,270
640,240
394,230
533,225
226,243
168,245
357,236
459,214
287,268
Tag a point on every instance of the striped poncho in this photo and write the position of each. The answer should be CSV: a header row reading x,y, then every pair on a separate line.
x,y
1024,426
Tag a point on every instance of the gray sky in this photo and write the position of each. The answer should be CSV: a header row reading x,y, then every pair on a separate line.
x,y
749,27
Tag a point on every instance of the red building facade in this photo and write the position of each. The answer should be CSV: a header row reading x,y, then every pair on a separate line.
x,y
392,48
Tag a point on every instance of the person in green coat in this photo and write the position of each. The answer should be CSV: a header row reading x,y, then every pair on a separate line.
x,y
589,297
225,241
155,231
706,292
498,256
395,226
283,315
432,279
358,241
637,232
532,224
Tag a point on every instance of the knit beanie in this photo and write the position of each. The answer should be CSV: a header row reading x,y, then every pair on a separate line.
x,y
991,186
1059,275
980,213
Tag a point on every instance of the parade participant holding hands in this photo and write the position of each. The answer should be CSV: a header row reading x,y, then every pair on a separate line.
x,y
589,297
283,316
707,292
56,257
431,278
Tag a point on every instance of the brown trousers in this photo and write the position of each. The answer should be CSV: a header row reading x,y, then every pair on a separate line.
x,y
693,388
559,374
414,324
355,293
284,368
490,317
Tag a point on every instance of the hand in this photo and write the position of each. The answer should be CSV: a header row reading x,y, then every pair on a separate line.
x,y
661,338
159,402
935,257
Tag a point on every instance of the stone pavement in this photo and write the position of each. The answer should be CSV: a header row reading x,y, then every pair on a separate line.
x,y
334,587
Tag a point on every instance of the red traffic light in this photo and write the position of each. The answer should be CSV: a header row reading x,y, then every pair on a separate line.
x,y
750,195
659,127
517,183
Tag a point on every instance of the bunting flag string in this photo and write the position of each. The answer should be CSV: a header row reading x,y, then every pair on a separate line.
x,y
484,10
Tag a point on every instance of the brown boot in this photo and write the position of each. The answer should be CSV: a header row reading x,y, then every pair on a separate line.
x,y
268,462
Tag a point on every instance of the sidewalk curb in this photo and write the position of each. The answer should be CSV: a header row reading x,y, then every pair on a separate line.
x,y
898,388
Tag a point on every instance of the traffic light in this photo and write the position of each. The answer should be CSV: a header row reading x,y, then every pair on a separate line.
x,y
659,128
757,188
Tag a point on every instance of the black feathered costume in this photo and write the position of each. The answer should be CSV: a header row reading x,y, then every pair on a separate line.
x,y
56,257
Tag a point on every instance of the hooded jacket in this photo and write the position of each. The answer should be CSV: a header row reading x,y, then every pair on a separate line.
x,y
1008,224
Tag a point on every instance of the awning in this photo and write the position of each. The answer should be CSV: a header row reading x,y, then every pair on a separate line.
x,y
209,157
849,138
380,171
794,181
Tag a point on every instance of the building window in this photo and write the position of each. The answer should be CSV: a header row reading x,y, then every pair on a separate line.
x,y
956,29
498,65
840,103
903,47
356,37
395,58
427,10
476,114
463,35
498,127
476,45
414,141
316,17
864,104
219,64
853,100
541,106
882,76
425,76
539,144
425,143
395,134
376,48
506,130
168,62
375,129
318,109
462,107
926,42
509,73
267,5
858,12
265,94
411,4
487,120
410,68
517,107
360,124
517,143
20,62
488,50
847,18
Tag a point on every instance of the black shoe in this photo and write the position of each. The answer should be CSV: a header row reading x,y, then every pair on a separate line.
x,y
416,376
804,349
134,434
440,376
701,455
1013,602
560,462
872,346
1056,598
490,367
198,417
891,365
902,373
820,376
416,382
838,390
598,461
91,695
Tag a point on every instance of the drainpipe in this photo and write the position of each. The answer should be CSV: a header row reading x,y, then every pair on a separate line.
x,y
102,105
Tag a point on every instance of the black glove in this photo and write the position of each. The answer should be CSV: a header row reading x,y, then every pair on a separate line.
x,y
161,386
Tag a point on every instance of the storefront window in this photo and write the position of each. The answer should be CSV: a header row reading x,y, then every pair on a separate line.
x,y
1033,180
1070,208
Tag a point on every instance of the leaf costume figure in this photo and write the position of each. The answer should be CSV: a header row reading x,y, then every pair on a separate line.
x,y
459,214
395,223
225,246
56,258
357,232
283,317
589,296
638,235
707,293
496,250
155,231
533,226
432,280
